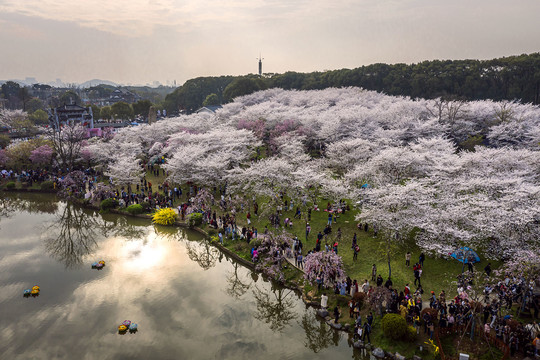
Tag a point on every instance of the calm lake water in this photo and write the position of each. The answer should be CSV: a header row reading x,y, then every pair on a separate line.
x,y
189,300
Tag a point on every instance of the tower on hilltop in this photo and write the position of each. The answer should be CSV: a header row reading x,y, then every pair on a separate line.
x,y
260,64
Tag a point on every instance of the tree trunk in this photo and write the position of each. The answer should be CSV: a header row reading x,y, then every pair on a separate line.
x,y
389,266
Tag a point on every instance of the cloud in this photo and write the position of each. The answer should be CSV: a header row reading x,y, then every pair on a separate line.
x,y
136,18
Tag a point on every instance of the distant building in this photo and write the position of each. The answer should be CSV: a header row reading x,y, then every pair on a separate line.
x,y
71,114
123,95
211,109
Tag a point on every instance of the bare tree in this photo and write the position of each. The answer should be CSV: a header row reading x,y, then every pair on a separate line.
x,y
67,142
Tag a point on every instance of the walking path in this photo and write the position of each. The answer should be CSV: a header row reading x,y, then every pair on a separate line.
x,y
291,261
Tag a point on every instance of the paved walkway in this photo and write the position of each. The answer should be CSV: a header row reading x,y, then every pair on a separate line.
x,y
291,261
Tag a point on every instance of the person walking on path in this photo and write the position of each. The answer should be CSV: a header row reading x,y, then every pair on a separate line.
x,y
417,277
408,259
336,315
308,230
300,260
373,272
367,331
421,259
487,269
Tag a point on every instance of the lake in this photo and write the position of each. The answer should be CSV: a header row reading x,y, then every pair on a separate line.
x,y
189,300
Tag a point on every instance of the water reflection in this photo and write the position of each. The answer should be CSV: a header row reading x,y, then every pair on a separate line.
x,y
274,306
168,232
71,236
114,225
203,253
32,203
236,286
319,336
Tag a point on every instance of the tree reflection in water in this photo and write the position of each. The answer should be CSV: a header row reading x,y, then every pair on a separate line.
x,y
319,336
72,236
202,253
274,307
6,207
171,233
118,225
236,288
10,204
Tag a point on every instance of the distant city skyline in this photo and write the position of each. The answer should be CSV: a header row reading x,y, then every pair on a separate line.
x,y
142,41
30,80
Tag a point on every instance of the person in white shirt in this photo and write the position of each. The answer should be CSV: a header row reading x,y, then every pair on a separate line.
x,y
324,301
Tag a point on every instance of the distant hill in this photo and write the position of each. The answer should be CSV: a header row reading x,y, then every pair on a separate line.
x,y
506,78
96,82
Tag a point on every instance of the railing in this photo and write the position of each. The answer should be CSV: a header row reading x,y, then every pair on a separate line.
x,y
438,341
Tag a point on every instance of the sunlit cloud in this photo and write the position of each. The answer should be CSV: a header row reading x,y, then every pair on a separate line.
x,y
141,17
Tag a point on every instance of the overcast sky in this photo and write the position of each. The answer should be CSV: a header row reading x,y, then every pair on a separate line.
x,y
139,41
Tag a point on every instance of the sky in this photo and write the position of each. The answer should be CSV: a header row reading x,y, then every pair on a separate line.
x,y
141,41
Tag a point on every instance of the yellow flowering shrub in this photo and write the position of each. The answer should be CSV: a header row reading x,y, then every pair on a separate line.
x,y
166,216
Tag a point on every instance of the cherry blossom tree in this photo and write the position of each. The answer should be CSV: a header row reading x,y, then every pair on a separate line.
x,y
201,202
452,172
125,170
204,158
3,157
323,266
72,185
272,254
41,155
101,192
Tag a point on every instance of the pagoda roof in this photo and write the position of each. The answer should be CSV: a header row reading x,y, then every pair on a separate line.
x,y
70,107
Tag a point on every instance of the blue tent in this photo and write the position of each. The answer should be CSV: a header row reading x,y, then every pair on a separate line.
x,y
466,255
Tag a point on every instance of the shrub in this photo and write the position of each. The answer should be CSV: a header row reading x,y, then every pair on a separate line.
x,y
165,216
10,185
195,219
135,209
108,204
395,327
146,206
212,232
47,185
411,333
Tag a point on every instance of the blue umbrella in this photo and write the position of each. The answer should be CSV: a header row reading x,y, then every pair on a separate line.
x,y
466,255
